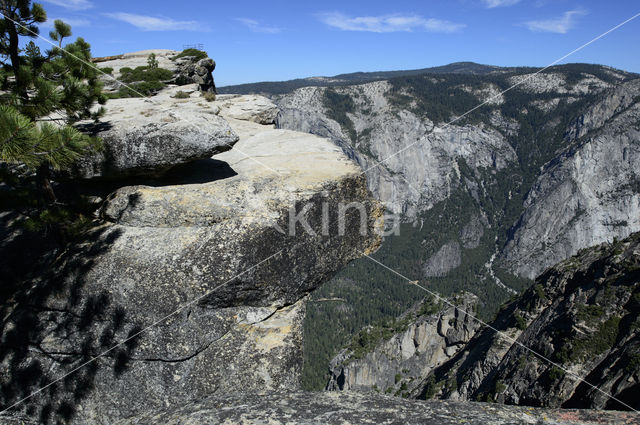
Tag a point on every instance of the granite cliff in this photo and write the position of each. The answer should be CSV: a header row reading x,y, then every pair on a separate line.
x,y
589,193
191,282
583,314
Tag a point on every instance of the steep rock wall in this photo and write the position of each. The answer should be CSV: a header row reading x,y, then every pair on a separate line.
x,y
587,195
582,315
433,335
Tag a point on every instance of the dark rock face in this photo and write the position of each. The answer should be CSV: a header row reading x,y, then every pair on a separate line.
x,y
582,314
203,75
358,408
200,72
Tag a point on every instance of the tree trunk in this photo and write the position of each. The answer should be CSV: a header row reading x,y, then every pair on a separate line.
x,y
45,189
14,53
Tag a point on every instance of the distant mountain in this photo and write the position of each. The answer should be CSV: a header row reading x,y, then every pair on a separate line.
x,y
282,87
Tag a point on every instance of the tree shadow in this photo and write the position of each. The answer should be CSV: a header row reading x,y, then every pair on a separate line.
x,y
94,128
52,320
53,324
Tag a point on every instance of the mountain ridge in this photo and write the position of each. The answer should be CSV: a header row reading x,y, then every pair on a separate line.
x,y
362,77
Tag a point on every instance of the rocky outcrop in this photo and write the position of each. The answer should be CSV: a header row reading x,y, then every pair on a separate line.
x,y
582,316
430,335
192,289
447,258
191,70
589,194
149,136
257,109
356,408
187,69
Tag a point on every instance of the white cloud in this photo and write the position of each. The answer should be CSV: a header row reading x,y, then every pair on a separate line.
x,y
256,26
499,3
560,25
74,22
151,23
72,4
388,23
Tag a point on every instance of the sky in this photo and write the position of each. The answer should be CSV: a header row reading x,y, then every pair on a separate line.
x,y
280,40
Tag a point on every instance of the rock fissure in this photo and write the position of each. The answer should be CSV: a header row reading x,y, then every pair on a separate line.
x,y
197,352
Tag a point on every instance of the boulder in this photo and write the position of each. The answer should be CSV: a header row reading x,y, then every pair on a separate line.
x,y
254,108
149,136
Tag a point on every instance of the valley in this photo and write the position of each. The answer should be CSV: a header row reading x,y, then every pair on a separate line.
x,y
484,203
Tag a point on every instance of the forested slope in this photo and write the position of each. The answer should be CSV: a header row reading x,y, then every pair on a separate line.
x,y
462,187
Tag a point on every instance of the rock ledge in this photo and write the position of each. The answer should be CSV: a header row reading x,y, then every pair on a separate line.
x,y
364,408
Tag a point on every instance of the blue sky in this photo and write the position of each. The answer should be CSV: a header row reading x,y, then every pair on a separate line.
x,y
280,40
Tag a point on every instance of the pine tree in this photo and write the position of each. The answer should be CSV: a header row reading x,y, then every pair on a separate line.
x,y
20,18
43,94
152,62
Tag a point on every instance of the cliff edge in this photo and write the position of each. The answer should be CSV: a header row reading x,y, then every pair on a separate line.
x,y
192,284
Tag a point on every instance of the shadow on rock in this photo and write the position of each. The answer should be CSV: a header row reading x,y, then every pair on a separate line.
x,y
94,128
196,172
51,326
